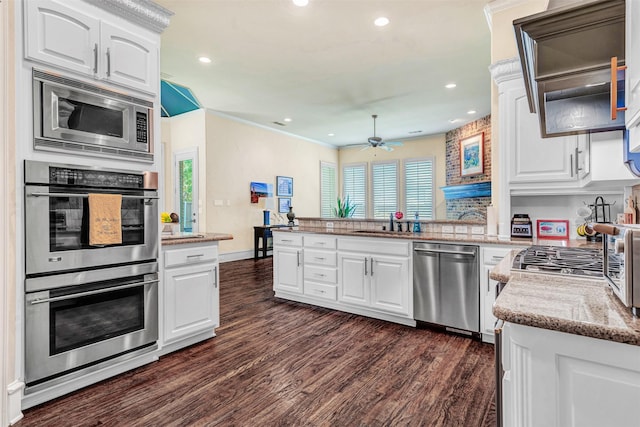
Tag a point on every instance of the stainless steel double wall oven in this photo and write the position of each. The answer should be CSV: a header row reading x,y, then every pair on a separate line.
x,y
86,304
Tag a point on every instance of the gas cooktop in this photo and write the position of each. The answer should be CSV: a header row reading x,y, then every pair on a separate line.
x,y
584,262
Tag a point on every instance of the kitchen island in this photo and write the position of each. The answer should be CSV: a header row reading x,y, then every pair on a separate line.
x,y
569,352
189,293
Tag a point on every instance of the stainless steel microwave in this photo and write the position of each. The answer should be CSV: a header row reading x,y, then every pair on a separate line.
x,y
70,115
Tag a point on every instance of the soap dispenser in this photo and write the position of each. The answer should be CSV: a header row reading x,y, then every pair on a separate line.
x,y
416,224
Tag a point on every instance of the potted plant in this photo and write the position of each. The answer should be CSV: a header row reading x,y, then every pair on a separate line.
x,y
344,208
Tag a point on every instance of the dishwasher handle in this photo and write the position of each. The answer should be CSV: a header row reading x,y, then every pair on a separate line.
x,y
444,251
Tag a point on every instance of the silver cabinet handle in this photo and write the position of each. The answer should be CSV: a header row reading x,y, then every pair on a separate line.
x,y
320,243
320,275
571,164
578,168
365,267
444,251
298,257
497,258
286,241
108,62
371,265
96,292
215,276
95,58
194,257
319,258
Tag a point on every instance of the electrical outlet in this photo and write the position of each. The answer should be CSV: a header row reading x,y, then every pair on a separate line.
x,y
329,225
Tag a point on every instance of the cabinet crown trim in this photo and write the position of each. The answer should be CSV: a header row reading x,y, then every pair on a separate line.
x,y
505,70
145,13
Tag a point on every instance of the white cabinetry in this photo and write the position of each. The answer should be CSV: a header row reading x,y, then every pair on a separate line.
x,y
320,267
558,379
190,297
536,159
490,257
607,163
287,262
71,37
374,273
632,76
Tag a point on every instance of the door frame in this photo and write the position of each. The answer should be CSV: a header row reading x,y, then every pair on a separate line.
x,y
178,156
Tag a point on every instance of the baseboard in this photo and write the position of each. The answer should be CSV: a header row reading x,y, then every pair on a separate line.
x,y
236,256
14,393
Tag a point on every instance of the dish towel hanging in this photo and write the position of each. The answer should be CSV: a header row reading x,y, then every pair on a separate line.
x,y
105,219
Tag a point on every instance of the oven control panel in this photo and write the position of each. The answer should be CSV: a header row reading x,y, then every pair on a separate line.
x,y
92,178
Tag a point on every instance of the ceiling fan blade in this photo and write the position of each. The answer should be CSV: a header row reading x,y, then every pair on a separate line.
x,y
385,147
366,147
394,143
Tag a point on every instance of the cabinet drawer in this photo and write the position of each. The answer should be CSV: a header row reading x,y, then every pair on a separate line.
x,y
492,256
375,245
320,274
325,258
190,255
319,290
320,242
287,239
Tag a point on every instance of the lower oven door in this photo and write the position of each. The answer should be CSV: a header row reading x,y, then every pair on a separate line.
x,y
71,327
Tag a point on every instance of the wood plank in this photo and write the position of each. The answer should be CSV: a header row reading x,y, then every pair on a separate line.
x,y
276,362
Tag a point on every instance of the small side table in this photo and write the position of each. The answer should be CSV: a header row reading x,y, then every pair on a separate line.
x,y
263,232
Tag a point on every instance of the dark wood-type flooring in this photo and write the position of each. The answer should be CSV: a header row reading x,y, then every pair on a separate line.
x,y
278,363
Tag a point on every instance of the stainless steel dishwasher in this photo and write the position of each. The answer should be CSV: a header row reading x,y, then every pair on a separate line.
x,y
446,285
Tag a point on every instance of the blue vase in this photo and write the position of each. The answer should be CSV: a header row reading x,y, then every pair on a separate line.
x,y
265,217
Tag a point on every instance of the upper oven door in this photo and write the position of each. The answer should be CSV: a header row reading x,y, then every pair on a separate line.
x,y
57,229
79,113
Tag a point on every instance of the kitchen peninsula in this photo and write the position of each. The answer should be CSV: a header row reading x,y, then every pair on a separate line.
x,y
569,351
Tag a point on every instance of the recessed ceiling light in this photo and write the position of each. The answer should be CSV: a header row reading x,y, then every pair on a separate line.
x,y
415,131
301,3
454,120
331,134
287,119
450,85
471,112
381,21
204,60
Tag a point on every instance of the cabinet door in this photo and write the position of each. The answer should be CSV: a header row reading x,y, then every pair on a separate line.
x,y
632,60
353,279
287,269
533,158
191,300
390,284
128,59
61,36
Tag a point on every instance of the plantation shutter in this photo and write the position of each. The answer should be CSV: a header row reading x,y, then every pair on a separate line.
x,y
328,189
385,189
354,185
418,185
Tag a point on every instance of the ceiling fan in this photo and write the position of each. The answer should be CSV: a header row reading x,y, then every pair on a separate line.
x,y
377,142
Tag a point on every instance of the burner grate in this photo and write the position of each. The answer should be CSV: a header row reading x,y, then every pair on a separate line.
x,y
561,260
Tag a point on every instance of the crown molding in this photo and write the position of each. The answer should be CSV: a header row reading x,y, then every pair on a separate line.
x,y
505,70
142,12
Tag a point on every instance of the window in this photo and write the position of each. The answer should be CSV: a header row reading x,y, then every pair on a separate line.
x,y
354,185
328,186
385,189
418,188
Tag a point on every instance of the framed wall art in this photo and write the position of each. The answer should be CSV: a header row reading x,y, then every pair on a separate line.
x,y
553,229
260,189
284,203
472,155
284,186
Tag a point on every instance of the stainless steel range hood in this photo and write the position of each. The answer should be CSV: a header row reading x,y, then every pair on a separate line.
x,y
565,53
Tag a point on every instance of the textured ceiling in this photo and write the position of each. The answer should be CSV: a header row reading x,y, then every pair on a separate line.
x,y
328,68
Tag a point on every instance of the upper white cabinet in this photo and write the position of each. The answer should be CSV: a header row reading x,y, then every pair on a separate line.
x,y
537,159
73,39
632,80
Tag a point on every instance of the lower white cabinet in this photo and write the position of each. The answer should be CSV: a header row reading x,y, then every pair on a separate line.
x,y
490,257
366,276
190,305
564,380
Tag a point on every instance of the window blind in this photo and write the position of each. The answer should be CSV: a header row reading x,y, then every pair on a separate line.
x,y
418,188
328,189
385,189
354,185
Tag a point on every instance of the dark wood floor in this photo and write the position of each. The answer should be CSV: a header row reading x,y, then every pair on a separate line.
x,y
277,363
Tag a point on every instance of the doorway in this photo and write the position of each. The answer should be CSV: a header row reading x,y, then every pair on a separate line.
x,y
185,166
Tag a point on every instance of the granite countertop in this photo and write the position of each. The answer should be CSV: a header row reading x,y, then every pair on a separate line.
x,y
443,237
578,306
184,238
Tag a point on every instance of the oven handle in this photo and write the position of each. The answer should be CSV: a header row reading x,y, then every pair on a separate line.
x,y
98,291
125,196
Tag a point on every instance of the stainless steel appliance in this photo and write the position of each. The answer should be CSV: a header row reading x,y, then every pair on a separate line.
x,y
56,215
621,249
566,57
73,115
74,320
445,285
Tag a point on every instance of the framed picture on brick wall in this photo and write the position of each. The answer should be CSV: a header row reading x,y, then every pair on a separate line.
x,y
472,155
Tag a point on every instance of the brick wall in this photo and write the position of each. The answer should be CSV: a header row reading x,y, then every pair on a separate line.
x,y
473,207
